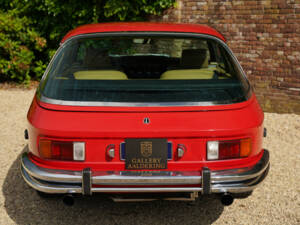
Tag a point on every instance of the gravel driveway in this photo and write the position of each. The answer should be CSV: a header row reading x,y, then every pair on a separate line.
x,y
276,201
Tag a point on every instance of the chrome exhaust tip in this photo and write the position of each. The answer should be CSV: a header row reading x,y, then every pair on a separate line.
x,y
227,199
68,200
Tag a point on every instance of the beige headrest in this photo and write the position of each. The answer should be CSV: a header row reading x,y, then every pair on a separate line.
x,y
95,58
194,58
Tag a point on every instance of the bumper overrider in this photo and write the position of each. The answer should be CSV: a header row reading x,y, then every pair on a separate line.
x,y
87,181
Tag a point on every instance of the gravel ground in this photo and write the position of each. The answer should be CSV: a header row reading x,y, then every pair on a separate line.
x,y
276,201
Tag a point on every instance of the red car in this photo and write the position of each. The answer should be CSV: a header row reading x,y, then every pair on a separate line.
x,y
145,111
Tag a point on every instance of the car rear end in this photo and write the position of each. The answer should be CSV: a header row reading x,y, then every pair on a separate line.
x,y
138,113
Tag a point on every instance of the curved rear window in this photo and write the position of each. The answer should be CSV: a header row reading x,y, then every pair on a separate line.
x,y
144,68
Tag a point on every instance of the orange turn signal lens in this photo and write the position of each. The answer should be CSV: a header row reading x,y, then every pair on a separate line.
x,y
45,149
245,147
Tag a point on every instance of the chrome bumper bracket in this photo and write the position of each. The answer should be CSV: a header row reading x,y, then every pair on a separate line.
x,y
206,181
87,181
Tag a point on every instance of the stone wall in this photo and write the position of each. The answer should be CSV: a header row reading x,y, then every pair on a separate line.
x,y
264,35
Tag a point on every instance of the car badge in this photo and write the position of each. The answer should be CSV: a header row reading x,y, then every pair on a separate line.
x,y
146,148
146,120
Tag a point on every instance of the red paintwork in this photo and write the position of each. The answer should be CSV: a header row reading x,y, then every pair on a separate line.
x,y
100,126
193,127
142,26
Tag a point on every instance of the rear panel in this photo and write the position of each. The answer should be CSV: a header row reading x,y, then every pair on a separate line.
x,y
189,128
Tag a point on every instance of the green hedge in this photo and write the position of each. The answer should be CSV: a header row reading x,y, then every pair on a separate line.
x,y
19,46
30,30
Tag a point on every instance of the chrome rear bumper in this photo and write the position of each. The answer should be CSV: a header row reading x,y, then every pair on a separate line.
x,y
86,181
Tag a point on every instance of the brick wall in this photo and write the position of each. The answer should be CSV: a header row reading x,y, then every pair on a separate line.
x,y
265,37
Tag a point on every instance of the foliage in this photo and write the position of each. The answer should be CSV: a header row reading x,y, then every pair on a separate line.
x,y
18,47
27,25
135,9
53,18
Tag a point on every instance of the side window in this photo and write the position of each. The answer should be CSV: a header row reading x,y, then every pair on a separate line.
x,y
229,67
219,57
228,63
64,63
225,65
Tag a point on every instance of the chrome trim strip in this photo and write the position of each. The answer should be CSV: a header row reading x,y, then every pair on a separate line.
x,y
139,104
126,104
150,189
239,189
144,180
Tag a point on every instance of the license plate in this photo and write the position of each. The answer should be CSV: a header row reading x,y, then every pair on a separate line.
x,y
146,154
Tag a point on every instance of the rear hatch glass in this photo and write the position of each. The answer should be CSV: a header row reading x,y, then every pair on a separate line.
x,y
152,68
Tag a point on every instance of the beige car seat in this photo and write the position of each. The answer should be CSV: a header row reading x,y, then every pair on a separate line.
x,y
194,64
99,67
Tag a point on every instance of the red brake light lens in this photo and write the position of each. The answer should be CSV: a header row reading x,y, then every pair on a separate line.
x,y
229,150
56,150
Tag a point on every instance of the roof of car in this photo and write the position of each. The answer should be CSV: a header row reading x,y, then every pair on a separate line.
x,y
142,26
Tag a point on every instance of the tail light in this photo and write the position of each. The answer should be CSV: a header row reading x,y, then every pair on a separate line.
x,y
61,150
218,150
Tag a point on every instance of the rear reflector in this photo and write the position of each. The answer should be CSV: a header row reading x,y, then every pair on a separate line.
x,y
110,152
219,150
212,150
79,151
61,150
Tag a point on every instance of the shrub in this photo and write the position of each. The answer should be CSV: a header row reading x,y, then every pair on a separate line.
x,y
18,47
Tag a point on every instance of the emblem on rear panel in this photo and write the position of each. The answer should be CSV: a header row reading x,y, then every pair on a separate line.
x,y
146,148
146,120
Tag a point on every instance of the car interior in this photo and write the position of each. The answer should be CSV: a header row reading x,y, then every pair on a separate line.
x,y
188,63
